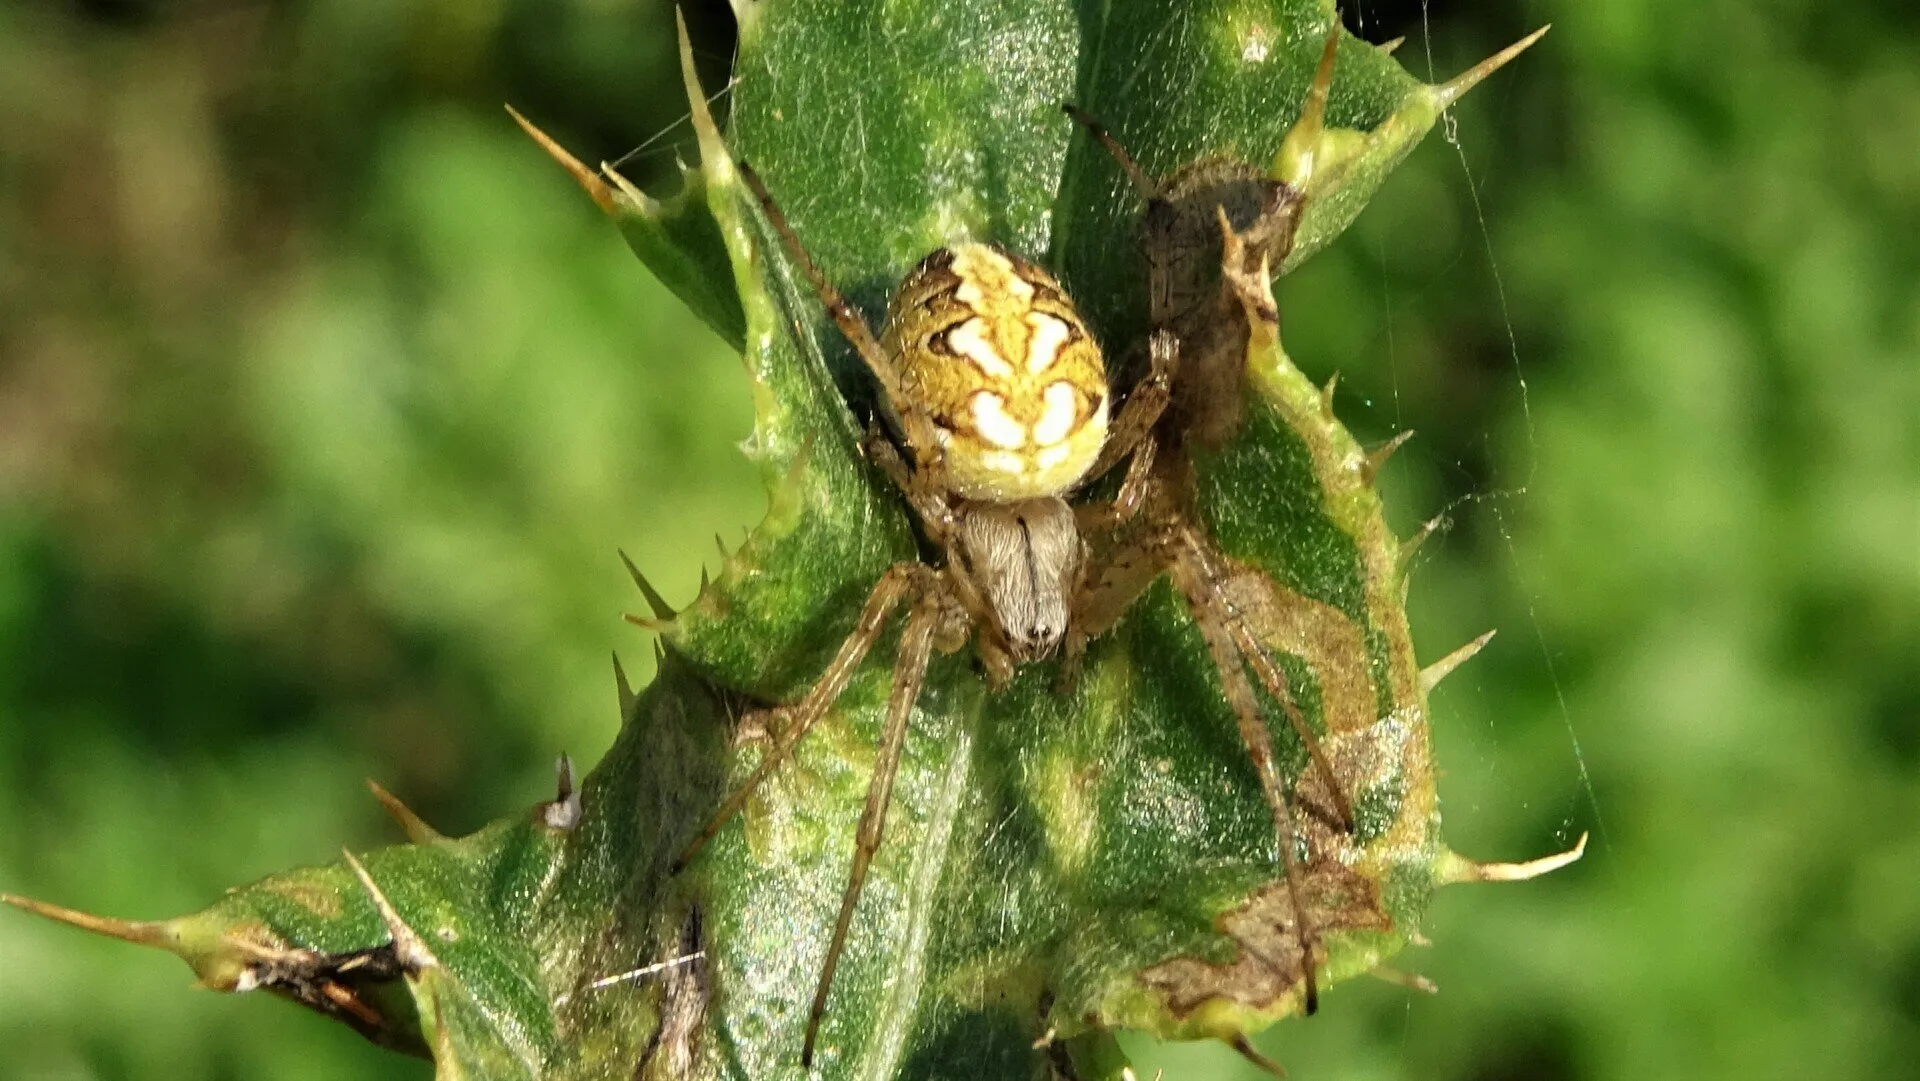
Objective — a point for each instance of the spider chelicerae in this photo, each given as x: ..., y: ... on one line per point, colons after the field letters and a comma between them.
x: 1000, y: 400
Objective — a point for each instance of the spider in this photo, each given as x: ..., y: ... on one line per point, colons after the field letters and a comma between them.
x: 1250, y: 219
x: 1000, y: 395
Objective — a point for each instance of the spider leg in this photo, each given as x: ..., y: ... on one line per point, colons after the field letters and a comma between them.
x: 941, y: 521
x: 1132, y: 433
x: 928, y: 499
x: 1200, y: 581
x: 1111, y: 588
x: 1126, y: 502
x: 989, y: 637
x: 916, y: 647
x: 919, y: 427
x: 851, y: 322
x: 900, y: 581
x: 1104, y: 594
x: 1133, y: 426
x: 1274, y: 679
x: 1148, y: 188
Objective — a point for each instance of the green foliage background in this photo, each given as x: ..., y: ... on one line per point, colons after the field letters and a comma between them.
x: 324, y: 400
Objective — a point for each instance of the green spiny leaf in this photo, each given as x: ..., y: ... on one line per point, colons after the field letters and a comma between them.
x: 677, y: 236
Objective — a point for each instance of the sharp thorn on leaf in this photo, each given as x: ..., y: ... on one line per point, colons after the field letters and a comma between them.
x: 657, y: 626
x: 564, y: 812
x: 661, y: 609
x: 634, y: 974
x: 1377, y: 458
x: 585, y: 177
x: 624, y: 688
x: 1432, y: 674
x: 1455, y: 868
x: 1326, y: 395
x: 411, y: 824
x: 1411, y: 546
x: 1451, y: 91
x: 713, y: 151
x: 1293, y: 165
x: 1240, y: 1043
x: 1388, y: 48
x: 1412, y: 981
x: 138, y: 932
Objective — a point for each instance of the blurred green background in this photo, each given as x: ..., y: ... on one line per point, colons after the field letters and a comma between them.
x: 325, y: 401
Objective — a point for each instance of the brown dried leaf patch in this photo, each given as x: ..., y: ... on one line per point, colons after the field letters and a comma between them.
x: 1269, y: 966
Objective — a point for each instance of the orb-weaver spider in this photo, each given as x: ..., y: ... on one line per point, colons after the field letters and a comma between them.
x: 999, y: 394
x: 1001, y: 398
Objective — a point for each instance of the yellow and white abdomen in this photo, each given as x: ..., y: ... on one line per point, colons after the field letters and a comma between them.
x: 989, y: 345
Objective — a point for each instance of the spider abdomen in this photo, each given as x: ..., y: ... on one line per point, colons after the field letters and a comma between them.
x: 989, y: 345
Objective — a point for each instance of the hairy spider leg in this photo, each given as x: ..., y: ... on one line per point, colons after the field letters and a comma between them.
x: 1174, y: 547
x: 1198, y: 576
x: 1131, y: 431
x: 909, y: 669
x: 919, y: 429
x: 1148, y: 187
x: 901, y: 581
x: 1273, y: 678
x: 931, y: 505
x: 1111, y: 514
